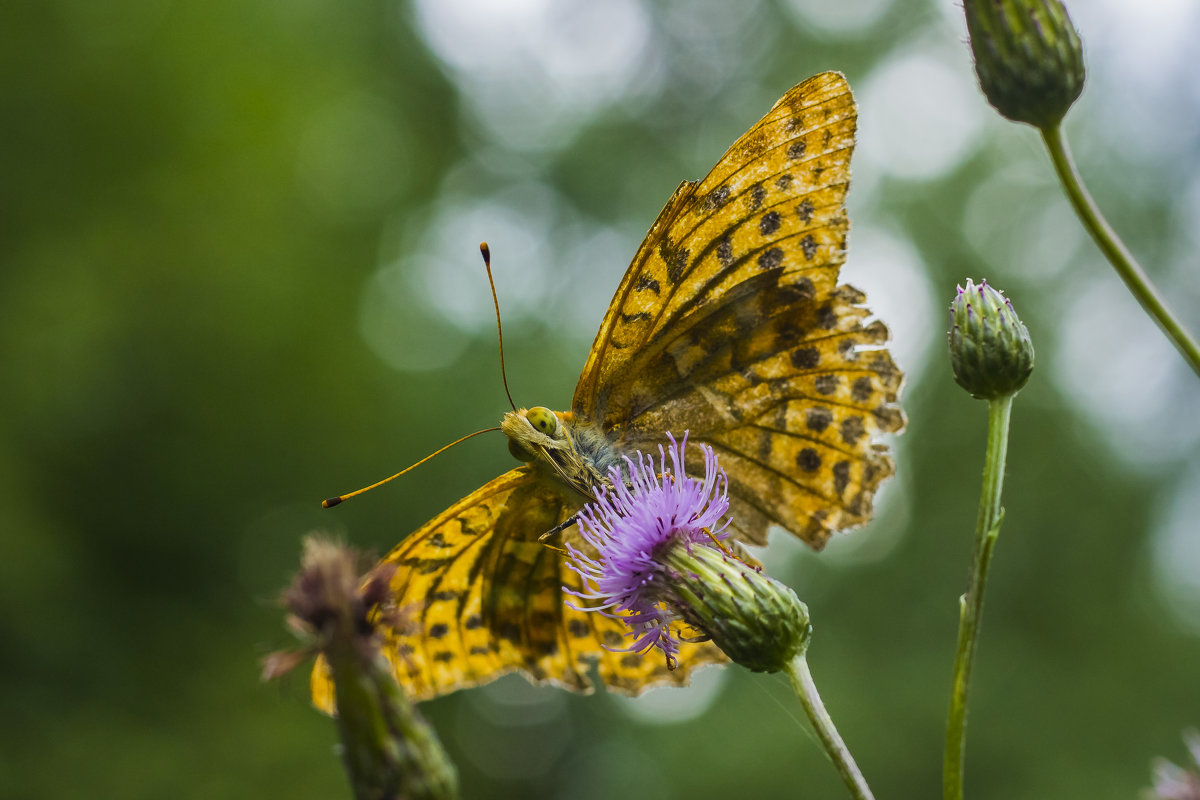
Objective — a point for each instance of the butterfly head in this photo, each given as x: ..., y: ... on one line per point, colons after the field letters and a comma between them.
x: 534, y: 433
x: 544, y: 438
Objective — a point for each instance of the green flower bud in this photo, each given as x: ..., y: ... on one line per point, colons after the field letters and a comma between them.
x: 990, y: 348
x: 757, y: 621
x: 1028, y: 58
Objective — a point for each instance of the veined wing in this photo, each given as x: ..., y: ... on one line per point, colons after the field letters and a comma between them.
x: 486, y: 598
x: 730, y: 323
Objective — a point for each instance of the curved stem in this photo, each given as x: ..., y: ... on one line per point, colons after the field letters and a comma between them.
x: 987, y: 528
x: 1114, y: 249
x: 802, y: 682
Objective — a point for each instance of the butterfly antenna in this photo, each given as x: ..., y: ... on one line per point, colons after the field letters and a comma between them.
x: 487, y: 264
x: 333, y: 501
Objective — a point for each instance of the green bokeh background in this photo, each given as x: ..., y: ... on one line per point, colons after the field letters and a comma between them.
x: 186, y: 257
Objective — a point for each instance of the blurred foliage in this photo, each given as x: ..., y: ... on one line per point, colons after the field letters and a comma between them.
x: 188, y: 239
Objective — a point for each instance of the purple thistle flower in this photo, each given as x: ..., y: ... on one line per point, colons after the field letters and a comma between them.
x: 658, y: 563
x: 630, y: 527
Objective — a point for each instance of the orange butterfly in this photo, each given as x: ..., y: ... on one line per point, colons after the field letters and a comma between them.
x: 729, y: 324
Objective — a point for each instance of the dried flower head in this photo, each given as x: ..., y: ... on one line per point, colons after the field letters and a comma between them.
x: 388, y: 749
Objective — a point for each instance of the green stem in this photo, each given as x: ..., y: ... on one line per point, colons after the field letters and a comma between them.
x: 987, y: 528
x: 387, y: 747
x: 1114, y: 249
x: 802, y: 682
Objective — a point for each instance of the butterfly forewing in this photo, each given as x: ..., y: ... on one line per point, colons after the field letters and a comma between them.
x: 730, y: 324
x: 780, y: 187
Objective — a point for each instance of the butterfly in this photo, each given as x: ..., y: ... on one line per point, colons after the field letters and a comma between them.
x: 729, y: 324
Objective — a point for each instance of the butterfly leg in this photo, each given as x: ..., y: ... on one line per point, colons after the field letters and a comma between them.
x: 559, y: 528
x: 720, y: 544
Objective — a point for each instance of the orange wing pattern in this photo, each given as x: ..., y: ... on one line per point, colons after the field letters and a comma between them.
x: 730, y: 323
x: 487, y: 599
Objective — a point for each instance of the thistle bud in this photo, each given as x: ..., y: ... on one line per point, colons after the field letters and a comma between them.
x: 757, y: 621
x: 990, y: 348
x: 1028, y: 58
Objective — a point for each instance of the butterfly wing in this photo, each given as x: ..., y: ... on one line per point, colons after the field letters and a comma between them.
x: 486, y: 598
x: 730, y: 323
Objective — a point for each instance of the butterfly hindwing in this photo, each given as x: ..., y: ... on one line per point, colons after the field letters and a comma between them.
x: 730, y: 324
x: 479, y: 596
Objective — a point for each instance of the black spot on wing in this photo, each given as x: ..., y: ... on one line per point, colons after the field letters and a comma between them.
x: 675, y: 257
x: 841, y: 476
x: 808, y: 460
x: 809, y: 245
x: 805, y: 357
x: 826, y: 384
x: 818, y: 418
x: 771, y: 259
x: 853, y: 430
x: 769, y: 223
x: 645, y: 282
x: 725, y: 251
x: 426, y: 566
x: 803, y: 289
x: 716, y: 198
x: 757, y: 195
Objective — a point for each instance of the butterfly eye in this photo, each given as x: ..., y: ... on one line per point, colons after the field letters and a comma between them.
x: 543, y: 419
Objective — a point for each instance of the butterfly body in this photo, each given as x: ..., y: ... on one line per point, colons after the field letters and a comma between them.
x: 729, y: 324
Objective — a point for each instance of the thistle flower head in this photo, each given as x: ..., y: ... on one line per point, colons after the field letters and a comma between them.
x: 658, y: 564
x: 990, y: 348
x: 1028, y: 58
